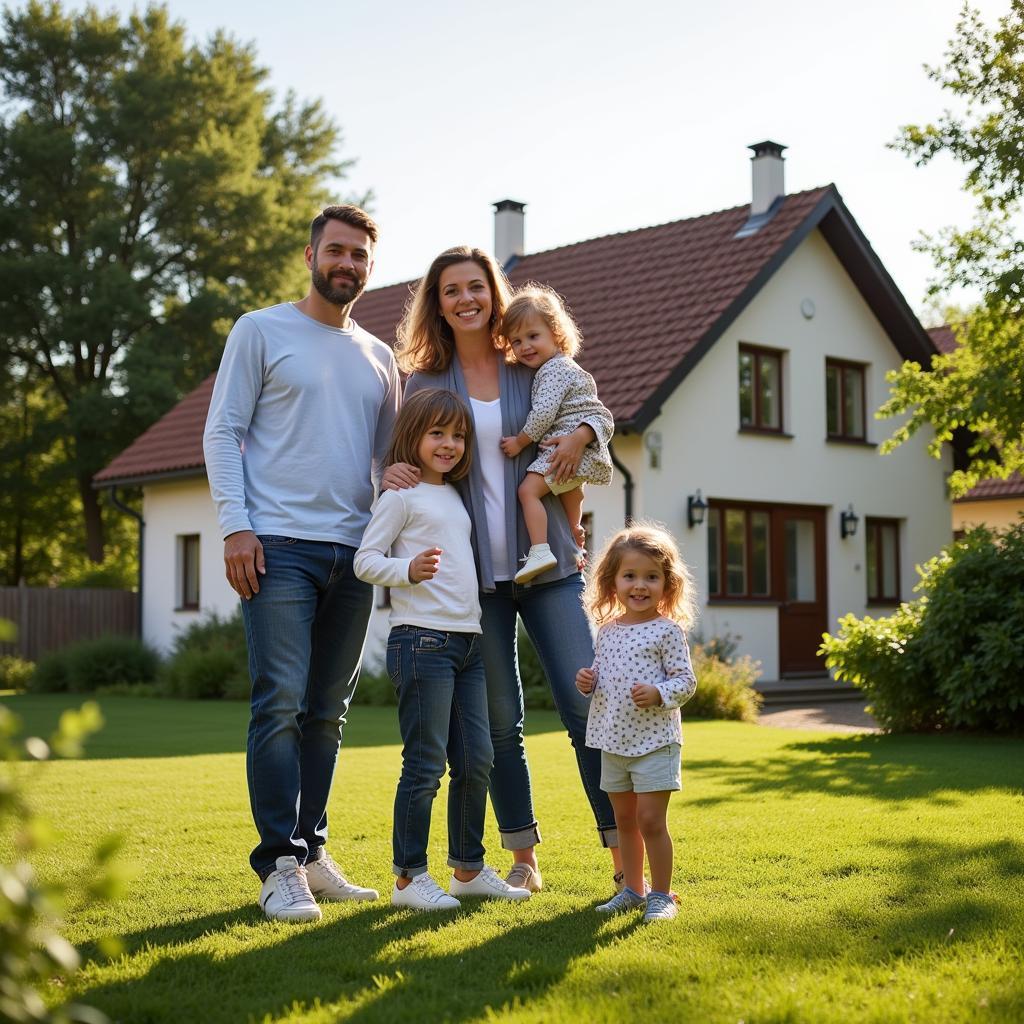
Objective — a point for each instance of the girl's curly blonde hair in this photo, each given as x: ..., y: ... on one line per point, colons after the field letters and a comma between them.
x: 678, y: 601
x: 541, y: 302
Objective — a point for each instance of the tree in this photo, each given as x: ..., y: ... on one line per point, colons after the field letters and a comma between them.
x: 978, y: 388
x: 150, y: 190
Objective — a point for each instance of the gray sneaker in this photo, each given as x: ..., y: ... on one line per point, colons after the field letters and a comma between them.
x: 523, y: 876
x: 621, y: 902
x: 326, y: 881
x: 661, y: 906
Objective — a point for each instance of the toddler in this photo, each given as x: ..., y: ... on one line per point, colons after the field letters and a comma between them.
x: 538, y: 331
x: 640, y: 595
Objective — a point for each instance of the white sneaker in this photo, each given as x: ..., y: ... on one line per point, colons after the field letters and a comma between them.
x: 285, y: 895
x: 538, y: 560
x: 326, y: 880
x: 423, y: 893
x: 490, y: 884
x: 523, y: 876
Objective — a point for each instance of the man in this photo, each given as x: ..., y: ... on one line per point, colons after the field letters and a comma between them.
x: 299, y: 424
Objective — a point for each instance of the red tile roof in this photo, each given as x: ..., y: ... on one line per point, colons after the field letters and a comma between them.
x: 943, y: 338
x: 989, y: 490
x: 646, y: 300
x: 172, y: 446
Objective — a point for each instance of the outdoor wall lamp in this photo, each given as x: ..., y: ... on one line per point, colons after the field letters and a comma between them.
x: 848, y: 522
x: 696, y: 506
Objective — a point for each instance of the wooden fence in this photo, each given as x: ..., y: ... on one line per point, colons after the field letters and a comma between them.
x: 48, y: 619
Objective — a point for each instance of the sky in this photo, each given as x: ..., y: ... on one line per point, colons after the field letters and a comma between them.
x: 608, y: 116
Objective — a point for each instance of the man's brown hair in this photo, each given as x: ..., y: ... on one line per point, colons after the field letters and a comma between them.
x: 347, y: 214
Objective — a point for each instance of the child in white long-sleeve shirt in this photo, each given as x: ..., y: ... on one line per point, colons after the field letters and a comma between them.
x: 640, y: 594
x: 433, y: 653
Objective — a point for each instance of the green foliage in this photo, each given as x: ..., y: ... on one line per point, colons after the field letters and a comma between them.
x: 152, y: 189
x: 375, y: 689
x: 32, y: 952
x: 954, y: 658
x: 978, y: 387
x: 722, y: 647
x: 115, y: 572
x: 15, y: 672
x: 725, y: 689
x: 536, y: 692
x: 84, y: 667
x: 209, y: 660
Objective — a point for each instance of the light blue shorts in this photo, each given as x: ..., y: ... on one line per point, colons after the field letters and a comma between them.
x: 656, y: 772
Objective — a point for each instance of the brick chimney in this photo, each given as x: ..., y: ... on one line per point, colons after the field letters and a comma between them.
x: 509, y: 230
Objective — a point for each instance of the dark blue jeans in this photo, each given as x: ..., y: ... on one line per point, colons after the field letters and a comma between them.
x: 305, y: 630
x: 442, y: 714
x: 556, y: 623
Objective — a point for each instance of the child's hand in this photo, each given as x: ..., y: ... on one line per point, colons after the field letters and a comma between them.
x: 511, y: 446
x: 645, y: 696
x: 585, y: 680
x: 424, y: 566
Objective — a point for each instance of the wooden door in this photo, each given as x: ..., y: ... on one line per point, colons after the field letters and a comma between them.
x: 801, y: 583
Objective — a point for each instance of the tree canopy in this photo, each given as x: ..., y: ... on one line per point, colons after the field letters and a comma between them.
x: 151, y: 189
x: 979, y: 388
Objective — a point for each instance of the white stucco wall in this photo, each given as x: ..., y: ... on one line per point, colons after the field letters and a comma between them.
x: 703, y: 448
x: 997, y: 513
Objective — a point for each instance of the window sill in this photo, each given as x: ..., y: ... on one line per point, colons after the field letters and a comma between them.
x: 765, y: 432
x: 757, y: 602
x: 857, y: 442
x: 884, y: 602
x: 187, y: 608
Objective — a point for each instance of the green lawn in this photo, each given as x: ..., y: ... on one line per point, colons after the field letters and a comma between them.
x: 823, y: 878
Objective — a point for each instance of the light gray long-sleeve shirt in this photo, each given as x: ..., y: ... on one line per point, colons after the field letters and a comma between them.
x: 298, y: 427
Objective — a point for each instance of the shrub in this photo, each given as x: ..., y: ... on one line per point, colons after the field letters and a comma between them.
x: 86, y: 666
x: 724, y: 689
x: 375, y: 689
x: 209, y: 660
x: 722, y: 647
x: 15, y: 673
x: 536, y: 692
x: 953, y: 658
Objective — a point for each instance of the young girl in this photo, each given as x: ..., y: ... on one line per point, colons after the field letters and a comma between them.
x: 641, y: 596
x: 539, y: 332
x: 433, y: 653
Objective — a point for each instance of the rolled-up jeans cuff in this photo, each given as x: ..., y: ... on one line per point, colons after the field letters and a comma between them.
x: 609, y: 836
x: 409, y: 872
x: 520, y: 838
x: 465, y: 865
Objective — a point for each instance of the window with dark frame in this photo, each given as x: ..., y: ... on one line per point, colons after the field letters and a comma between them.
x: 760, y: 389
x: 739, y: 552
x: 188, y: 572
x: 882, y: 540
x: 844, y: 400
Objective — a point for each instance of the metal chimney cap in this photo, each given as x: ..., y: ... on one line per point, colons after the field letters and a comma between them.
x: 767, y: 148
x: 502, y: 205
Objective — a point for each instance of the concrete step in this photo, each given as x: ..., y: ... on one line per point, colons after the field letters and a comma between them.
x: 811, y: 690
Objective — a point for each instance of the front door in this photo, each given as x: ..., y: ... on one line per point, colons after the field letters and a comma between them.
x: 800, y: 582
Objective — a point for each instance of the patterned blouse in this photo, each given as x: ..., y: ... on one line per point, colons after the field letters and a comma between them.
x: 563, y: 396
x: 653, y: 652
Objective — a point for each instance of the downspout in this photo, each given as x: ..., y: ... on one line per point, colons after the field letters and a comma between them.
x: 627, y: 484
x: 116, y: 501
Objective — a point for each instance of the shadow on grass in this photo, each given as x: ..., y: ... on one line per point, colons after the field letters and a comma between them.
x: 158, y: 727
x: 882, y: 766
x: 373, y: 961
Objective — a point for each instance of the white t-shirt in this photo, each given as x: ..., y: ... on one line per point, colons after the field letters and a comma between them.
x: 405, y: 523
x: 487, y: 423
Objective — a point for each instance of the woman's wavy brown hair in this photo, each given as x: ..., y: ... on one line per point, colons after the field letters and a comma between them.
x: 678, y: 602
x: 425, y: 339
x: 431, y: 407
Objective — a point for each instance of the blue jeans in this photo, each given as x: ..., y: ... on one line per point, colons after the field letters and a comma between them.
x: 556, y: 623
x: 442, y: 715
x: 305, y: 631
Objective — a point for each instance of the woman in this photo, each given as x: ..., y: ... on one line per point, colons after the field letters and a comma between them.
x: 447, y: 340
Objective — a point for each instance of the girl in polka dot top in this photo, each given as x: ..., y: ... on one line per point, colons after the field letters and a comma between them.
x: 641, y: 597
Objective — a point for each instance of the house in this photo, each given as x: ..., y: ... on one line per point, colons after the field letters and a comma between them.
x: 742, y: 353
x: 994, y: 503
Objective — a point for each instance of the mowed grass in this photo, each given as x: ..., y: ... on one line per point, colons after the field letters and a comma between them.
x: 823, y: 878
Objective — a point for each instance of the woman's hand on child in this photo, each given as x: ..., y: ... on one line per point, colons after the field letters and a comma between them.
x: 645, y: 696
x: 424, y: 566
x: 399, y: 476
x: 568, y: 452
x: 511, y: 446
x: 585, y: 680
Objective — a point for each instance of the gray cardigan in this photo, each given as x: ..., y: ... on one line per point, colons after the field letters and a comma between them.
x: 514, y: 382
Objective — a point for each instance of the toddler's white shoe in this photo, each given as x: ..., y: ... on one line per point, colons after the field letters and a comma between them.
x: 326, y: 880
x: 285, y: 895
x: 524, y: 876
x: 661, y: 906
x: 490, y: 884
x: 423, y: 893
x: 538, y: 560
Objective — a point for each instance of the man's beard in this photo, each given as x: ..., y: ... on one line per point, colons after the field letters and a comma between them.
x: 341, y: 292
